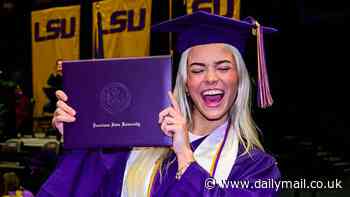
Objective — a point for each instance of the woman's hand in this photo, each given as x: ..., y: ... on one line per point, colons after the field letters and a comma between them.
x: 174, y: 125
x: 63, y: 112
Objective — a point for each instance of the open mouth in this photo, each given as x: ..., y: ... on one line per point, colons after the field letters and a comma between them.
x: 212, y: 98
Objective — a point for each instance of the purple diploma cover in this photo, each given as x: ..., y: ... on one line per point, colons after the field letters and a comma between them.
x: 117, y: 101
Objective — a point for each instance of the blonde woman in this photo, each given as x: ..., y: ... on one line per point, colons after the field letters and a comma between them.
x: 216, y: 149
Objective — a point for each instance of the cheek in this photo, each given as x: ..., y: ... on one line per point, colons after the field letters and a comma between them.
x: 193, y: 84
x: 232, y: 84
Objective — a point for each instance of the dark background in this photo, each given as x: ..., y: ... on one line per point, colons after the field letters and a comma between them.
x: 306, y: 129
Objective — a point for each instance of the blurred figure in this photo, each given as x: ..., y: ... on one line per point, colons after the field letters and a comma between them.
x: 12, y: 186
x: 54, y: 83
x: 41, y: 165
x: 55, y: 79
x: 23, y: 112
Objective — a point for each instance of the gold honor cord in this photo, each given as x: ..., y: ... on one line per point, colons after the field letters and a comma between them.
x: 212, y: 168
x: 153, y: 175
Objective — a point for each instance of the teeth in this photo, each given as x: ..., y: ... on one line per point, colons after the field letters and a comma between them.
x: 212, y: 92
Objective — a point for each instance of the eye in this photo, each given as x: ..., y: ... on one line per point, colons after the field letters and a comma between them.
x: 196, y: 71
x: 224, y: 67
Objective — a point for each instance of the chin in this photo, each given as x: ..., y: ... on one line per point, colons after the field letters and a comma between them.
x: 214, y: 115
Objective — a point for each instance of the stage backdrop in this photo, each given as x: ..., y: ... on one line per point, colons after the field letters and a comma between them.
x: 228, y: 8
x: 55, y: 35
x: 125, y: 26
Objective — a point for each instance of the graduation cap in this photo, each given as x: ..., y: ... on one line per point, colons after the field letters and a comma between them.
x: 205, y: 28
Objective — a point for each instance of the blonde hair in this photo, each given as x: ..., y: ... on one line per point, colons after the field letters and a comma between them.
x: 240, y: 115
x: 146, y: 161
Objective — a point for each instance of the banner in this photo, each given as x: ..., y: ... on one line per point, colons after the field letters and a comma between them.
x: 228, y: 8
x: 124, y: 28
x: 55, y: 35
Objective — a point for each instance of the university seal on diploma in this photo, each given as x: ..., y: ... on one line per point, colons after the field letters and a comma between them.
x: 115, y: 98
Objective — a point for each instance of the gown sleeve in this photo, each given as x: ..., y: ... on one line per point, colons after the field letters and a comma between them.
x: 86, y: 173
x: 245, y: 180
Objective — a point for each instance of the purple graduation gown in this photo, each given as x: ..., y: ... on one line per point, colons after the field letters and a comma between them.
x: 100, y: 173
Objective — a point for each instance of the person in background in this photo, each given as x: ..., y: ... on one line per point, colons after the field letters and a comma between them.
x: 23, y: 112
x: 12, y: 186
x: 214, y: 136
x: 54, y: 83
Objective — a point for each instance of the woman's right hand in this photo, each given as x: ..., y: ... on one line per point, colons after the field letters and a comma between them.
x: 63, y: 112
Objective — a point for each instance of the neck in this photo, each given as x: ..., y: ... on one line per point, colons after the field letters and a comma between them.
x: 202, y: 126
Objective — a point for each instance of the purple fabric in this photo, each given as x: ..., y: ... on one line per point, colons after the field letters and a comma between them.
x: 93, y: 173
x: 87, y: 173
x: 161, y: 185
x: 259, y: 166
x: 117, y: 101
x: 204, y: 28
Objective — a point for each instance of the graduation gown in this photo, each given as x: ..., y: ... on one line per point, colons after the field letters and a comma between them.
x: 100, y: 173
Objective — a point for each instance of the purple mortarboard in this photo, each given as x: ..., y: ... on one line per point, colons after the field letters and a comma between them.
x: 205, y: 28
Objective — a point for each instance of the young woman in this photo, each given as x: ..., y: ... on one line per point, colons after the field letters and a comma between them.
x: 216, y: 149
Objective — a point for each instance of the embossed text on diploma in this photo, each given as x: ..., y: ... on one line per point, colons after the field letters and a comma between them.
x: 116, y: 124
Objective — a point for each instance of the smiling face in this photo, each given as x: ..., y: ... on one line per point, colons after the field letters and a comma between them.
x: 212, y: 80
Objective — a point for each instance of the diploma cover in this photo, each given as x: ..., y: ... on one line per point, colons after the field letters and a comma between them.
x: 117, y: 101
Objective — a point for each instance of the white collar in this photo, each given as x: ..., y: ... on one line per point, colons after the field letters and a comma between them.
x: 206, y: 152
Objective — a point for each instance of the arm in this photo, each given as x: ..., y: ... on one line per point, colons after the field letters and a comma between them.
x: 192, y: 177
x: 241, y: 181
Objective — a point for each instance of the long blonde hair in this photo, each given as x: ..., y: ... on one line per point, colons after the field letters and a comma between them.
x: 240, y: 115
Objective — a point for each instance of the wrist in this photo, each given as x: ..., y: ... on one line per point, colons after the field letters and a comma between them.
x: 184, y: 161
x: 184, y: 157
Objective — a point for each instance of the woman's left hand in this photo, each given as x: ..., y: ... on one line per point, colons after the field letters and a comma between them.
x: 174, y: 125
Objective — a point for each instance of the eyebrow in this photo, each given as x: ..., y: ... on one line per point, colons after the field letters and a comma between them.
x: 197, y: 64
x: 215, y: 63
x: 222, y: 61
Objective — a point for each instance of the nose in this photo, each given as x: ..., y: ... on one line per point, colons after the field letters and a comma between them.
x: 211, y: 76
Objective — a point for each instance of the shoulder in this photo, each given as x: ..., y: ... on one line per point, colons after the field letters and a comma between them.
x: 256, y: 164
